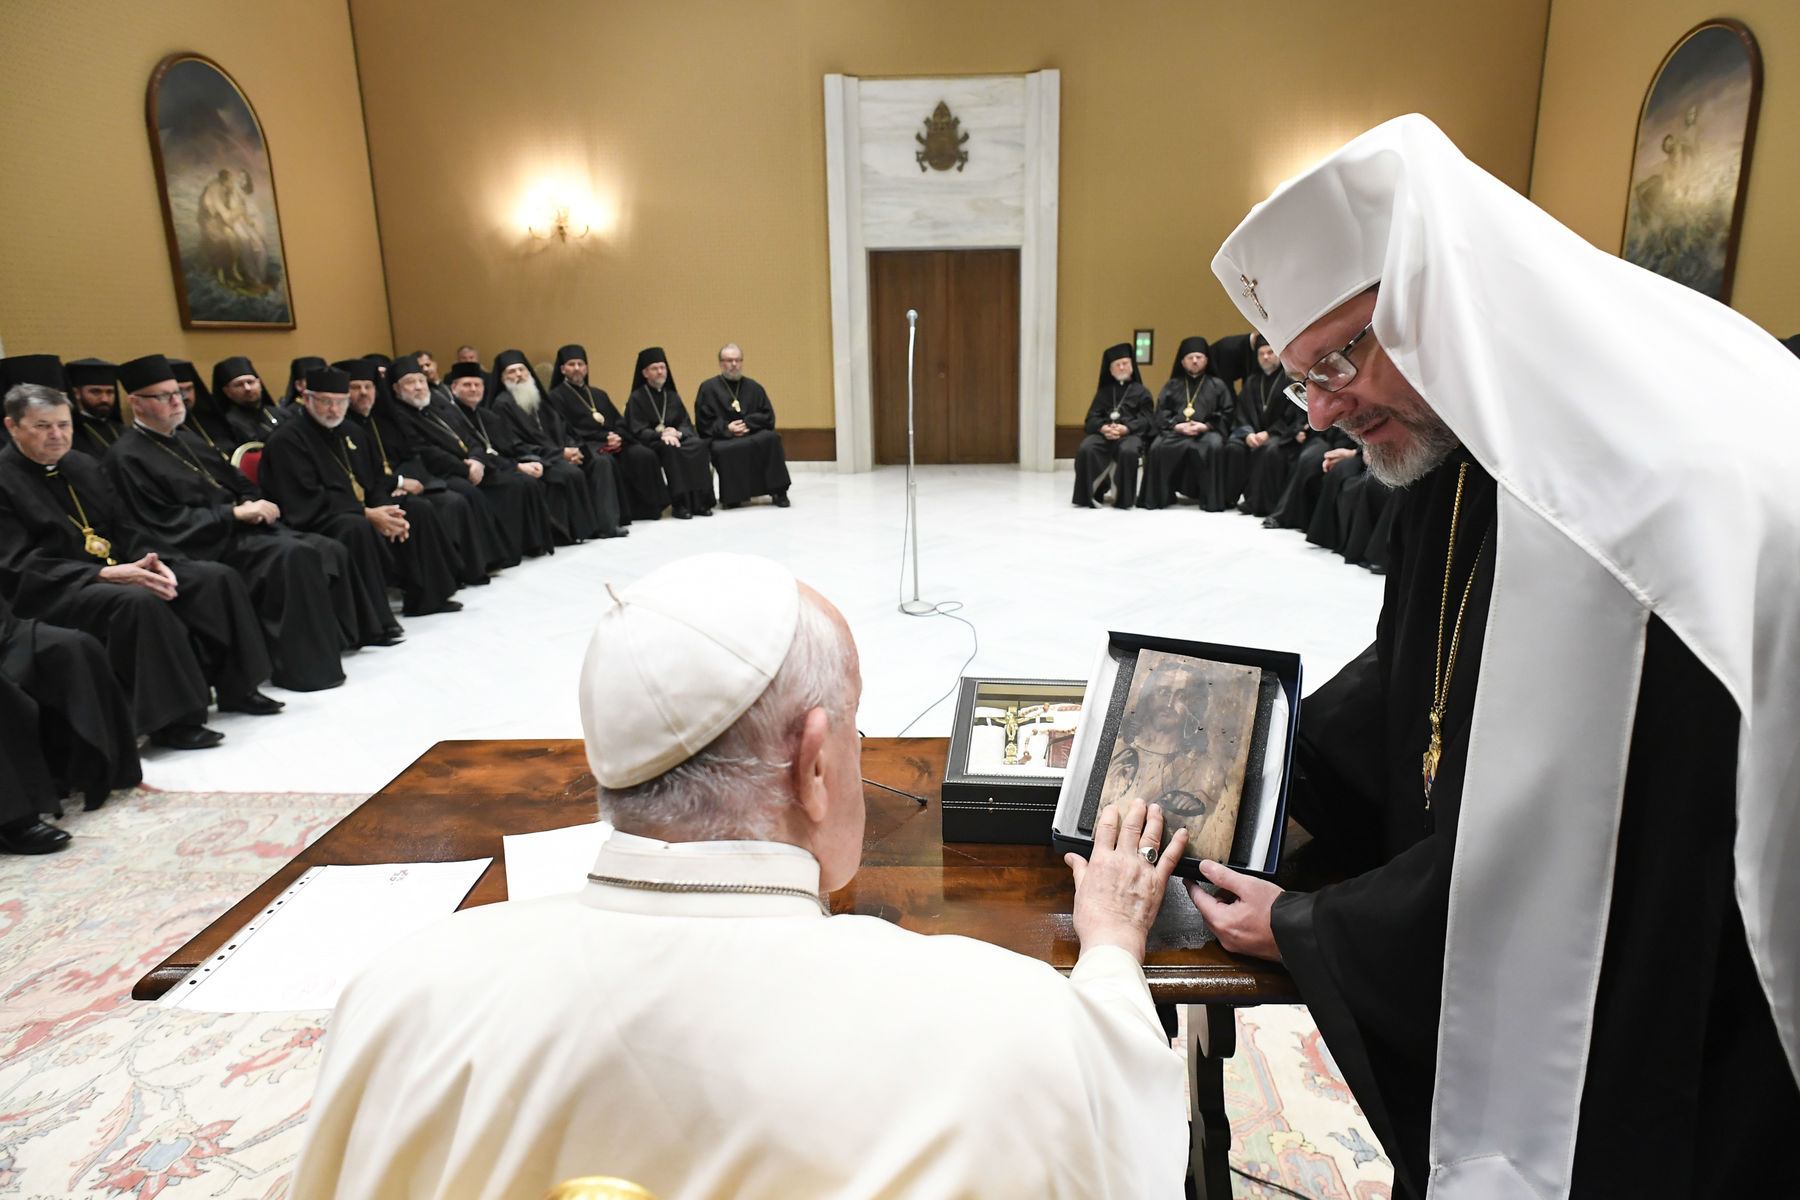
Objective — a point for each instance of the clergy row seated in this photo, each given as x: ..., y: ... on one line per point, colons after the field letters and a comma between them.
x: 697, y: 1022
x: 1248, y: 448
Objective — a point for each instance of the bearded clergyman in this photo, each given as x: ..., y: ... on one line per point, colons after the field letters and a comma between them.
x: 733, y: 412
x: 590, y: 415
x: 656, y: 418
x: 534, y: 429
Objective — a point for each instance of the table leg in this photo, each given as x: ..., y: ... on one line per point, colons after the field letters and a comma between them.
x: 1211, y: 1039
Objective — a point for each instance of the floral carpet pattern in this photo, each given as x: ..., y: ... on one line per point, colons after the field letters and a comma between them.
x: 102, y: 1096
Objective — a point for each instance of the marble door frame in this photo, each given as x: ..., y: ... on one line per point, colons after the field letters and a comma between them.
x: 1035, y: 237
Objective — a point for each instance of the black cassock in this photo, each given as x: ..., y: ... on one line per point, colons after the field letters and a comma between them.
x: 1126, y: 404
x: 446, y: 437
x: 164, y: 652
x: 752, y: 465
x: 1270, y: 465
x: 688, y: 467
x: 65, y: 724
x: 247, y: 424
x: 303, y: 585
x: 589, y: 414
x: 314, y: 474
x: 1294, y: 510
x: 475, y: 541
x: 1354, y: 514
x: 585, y: 496
x: 1684, y: 1058
x: 1189, y: 464
x: 94, y: 436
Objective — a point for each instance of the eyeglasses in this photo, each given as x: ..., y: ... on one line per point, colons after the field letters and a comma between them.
x: 1330, y: 374
x: 175, y: 395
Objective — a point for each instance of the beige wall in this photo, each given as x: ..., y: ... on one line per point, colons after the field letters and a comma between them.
x: 85, y: 266
x: 699, y: 125
x: 1600, y: 58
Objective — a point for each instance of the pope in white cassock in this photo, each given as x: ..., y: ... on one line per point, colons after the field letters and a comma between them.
x: 697, y: 1022
x: 1562, y: 782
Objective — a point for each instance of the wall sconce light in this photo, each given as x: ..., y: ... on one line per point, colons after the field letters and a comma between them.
x: 552, y: 216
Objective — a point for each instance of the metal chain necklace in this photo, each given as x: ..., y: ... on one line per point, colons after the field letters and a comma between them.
x: 734, y: 397
x: 587, y: 397
x: 1188, y: 412
x: 751, y: 889
x: 185, y: 458
x: 341, y: 456
x: 91, y: 541
x: 1440, y: 689
x: 460, y: 444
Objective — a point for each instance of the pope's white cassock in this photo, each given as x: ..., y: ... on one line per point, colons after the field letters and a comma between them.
x: 738, y: 1045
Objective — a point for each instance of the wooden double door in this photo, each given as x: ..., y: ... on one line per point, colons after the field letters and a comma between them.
x: 966, y: 359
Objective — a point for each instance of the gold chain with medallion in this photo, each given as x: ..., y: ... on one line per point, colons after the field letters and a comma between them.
x: 1442, y: 670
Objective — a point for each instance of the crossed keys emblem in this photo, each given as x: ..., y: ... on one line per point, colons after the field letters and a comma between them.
x: 1250, y: 292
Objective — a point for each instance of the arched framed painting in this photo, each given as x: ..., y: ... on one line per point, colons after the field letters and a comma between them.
x: 1695, y: 132
x: 218, y: 198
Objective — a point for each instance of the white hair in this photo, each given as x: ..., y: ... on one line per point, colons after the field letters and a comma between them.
x: 737, y: 787
x: 731, y: 346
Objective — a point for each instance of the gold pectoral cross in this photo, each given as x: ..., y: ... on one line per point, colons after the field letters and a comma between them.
x: 1433, y: 750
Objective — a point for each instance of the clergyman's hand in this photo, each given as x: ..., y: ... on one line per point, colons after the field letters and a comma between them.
x: 671, y: 437
x: 476, y: 470
x: 1117, y: 893
x: 614, y: 441
x: 533, y: 469
x: 1334, y: 457
x: 389, y: 521
x: 1241, y: 925
x: 1256, y: 439
x: 738, y: 428
x: 571, y: 454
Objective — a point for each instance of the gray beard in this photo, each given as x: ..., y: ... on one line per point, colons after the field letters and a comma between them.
x: 1431, y: 443
x: 525, y: 394
x: 421, y: 402
x: 734, y: 376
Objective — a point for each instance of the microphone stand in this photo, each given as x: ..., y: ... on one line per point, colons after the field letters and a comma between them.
x: 914, y: 607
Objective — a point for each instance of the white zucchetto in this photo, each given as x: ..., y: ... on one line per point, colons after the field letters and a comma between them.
x: 671, y: 666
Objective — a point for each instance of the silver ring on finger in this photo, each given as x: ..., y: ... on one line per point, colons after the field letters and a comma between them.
x: 1148, y: 853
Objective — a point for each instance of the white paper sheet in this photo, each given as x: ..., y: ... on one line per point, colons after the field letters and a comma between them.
x: 552, y: 863
x: 317, y: 935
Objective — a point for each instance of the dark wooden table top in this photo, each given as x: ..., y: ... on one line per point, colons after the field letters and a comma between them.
x: 460, y: 798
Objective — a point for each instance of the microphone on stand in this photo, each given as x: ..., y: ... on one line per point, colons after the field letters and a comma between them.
x: 915, y: 606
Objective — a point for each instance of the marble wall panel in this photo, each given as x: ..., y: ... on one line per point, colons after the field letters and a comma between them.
x: 983, y: 204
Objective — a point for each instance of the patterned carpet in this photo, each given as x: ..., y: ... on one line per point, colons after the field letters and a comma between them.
x: 102, y: 1096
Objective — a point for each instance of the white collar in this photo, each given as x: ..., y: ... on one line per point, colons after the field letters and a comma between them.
x: 724, y: 865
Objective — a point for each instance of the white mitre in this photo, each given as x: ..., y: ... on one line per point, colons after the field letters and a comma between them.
x: 680, y: 655
x: 1571, y: 376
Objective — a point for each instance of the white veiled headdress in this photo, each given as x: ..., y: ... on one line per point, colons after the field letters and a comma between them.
x: 1566, y: 372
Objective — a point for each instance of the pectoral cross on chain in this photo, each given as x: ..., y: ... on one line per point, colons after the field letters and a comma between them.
x: 1250, y: 291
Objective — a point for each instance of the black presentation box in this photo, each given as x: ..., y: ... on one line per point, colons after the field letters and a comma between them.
x: 1255, y: 836
x: 1009, y: 748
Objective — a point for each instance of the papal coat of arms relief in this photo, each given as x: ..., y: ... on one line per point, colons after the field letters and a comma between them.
x: 941, y: 145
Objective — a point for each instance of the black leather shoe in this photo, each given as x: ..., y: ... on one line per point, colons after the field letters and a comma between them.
x: 781, y: 500
x: 254, y: 703
x: 186, y: 737
x: 32, y: 836
x: 390, y: 637
x: 1271, y: 523
x: 681, y: 512
x: 1100, y: 493
x: 733, y: 504
x: 703, y: 512
x: 446, y: 606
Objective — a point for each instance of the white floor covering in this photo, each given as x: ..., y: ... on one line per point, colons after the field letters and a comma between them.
x: 1040, y: 579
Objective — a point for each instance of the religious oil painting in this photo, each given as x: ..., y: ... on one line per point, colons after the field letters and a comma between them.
x: 1184, y: 743
x: 1695, y: 134
x: 218, y: 199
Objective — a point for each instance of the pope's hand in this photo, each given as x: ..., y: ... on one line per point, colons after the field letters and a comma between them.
x: 1241, y: 925
x: 1117, y: 893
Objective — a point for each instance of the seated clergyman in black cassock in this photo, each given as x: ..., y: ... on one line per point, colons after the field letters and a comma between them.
x: 204, y: 420
x: 65, y: 729
x: 314, y: 469
x: 400, y: 473
x: 243, y: 402
x: 590, y: 416
x: 174, y: 628
x: 583, y: 494
x: 44, y: 369
x: 656, y: 417
x: 192, y: 500
x: 428, y: 365
x: 1273, y: 445
x: 1118, y: 421
x: 1194, y: 414
x: 1323, y: 452
x: 93, y: 387
x: 296, y: 383
x: 733, y: 412
x: 452, y: 442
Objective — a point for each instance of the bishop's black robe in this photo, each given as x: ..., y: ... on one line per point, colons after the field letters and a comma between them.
x: 474, y: 540
x: 589, y: 414
x: 754, y: 464
x: 687, y: 468
x: 249, y: 424
x: 447, y: 439
x: 94, y: 436
x: 164, y: 652
x: 1270, y: 465
x: 1126, y: 404
x: 65, y: 724
x: 1687, y: 1087
x: 303, y: 585
x: 586, y: 491
x: 1295, y: 508
x: 1189, y: 464
x: 314, y: 474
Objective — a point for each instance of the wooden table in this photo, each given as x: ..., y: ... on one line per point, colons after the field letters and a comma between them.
x: 460, y: 798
